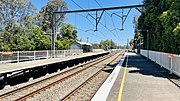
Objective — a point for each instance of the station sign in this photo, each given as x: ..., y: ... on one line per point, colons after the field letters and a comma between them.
x: 7, y: 53
x: 170, y: 55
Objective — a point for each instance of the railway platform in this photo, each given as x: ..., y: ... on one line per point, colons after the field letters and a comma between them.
x: 11, y: 67
x: 139, y: 79
x: 40, y: 68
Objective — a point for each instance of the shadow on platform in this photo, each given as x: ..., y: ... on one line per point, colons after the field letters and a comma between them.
x: 147, y: 67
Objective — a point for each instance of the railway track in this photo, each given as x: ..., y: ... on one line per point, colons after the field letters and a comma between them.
x: 27, y: 91
x: 89, y: 87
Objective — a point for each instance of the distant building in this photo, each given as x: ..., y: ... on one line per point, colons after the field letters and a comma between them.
x: 86, y: 47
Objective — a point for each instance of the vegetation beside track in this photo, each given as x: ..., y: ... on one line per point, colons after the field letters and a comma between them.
x: 161, y: 20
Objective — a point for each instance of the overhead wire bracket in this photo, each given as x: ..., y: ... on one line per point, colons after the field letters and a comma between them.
x: 53, y: 22
x: 123, y: 17
x: 139, y: 10
x: 98, y: 18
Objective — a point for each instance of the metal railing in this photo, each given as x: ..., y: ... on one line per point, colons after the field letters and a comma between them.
x: 98, y: 50
x: 20, y: 56
x: 170, y: 63
x: 135, y: 50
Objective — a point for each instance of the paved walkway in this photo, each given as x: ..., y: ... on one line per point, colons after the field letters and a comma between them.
x: 143, y: 80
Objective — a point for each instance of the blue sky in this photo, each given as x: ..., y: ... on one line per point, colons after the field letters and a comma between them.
x: 106, y: 23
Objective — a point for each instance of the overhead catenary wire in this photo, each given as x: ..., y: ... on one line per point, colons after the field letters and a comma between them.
x: 115, y: 12
x: 111, y: 19
x: 86, y: 17
x: 91, y: 23
x: 77, y: 4
x: 89, y: 33
x: 82, y: 15
x: 109, y: 31
x: 84, y: 30
x: 75, y: 19
x: 98, y: 9
x: 107, y: 13
x: 81, y: 29
x: 100, y: 22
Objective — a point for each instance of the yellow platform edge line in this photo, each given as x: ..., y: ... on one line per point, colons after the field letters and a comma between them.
x: 122, y: 82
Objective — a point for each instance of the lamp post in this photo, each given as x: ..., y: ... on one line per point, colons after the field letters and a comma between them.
x: 147, y: 44
x: 147, y: 41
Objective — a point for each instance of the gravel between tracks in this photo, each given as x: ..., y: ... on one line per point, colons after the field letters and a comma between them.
x: 86, y: 92
x: 58, y: 91
x: 42, y: 84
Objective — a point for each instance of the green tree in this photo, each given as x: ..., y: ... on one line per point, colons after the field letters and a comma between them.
x: 68, y: 34
x: 59, y: 45
x: 4, y: 46
x: 160, y: 18
x: 20, y: 42
x: 40, y: 40
x: 18, y: 30
x: 69, y: 31
x: 176, y: 34
x: 44, y: 17
x: 15, y: 12
x: 107, y: 44
x: 170, y: 20
x: 137, y: 41
x: 66, y: 43
x: 95, y: 46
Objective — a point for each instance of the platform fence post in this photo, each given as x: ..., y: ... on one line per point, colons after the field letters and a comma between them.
x: 171, y: 67
x: 64, y: 53
x: 55, y: 51
x: 34, y: 55
x: 17, y: 56
x: 47, y: 54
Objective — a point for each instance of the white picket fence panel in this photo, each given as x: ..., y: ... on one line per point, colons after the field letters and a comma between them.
x: 19, y: 56
x: 162, y: 59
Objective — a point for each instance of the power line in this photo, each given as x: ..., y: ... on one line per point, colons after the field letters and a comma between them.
x: 110, y: 31
x: 101, y: 23
x: 89, y: 33
x: 75, y: 19
x: 108, y: 14
x: 77, y: 4
x: 98, y: 3
x: 84, y: 16
x: 98, y: 9
x: 92, y: 10
x: 91, y: 23
x: 110, y: 17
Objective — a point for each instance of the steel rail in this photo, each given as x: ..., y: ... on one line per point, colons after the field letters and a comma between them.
x: 43, y: 80
x: 60, y: 80
x: 86, y: 81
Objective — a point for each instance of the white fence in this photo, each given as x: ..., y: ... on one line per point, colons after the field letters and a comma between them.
x: 135, y: 50
x: 18, y: 56
x: 98, y: 50
x: 161, y: 58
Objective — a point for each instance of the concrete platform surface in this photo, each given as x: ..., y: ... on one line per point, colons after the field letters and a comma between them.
x: 144, y: 81
x: 31, y: 64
